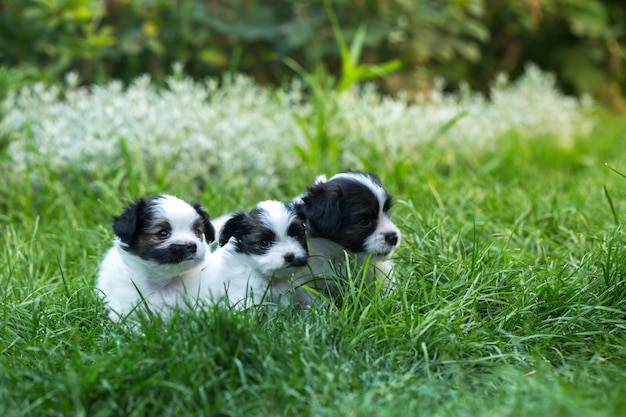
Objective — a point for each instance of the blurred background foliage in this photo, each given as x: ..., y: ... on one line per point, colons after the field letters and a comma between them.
x: 581, y: 41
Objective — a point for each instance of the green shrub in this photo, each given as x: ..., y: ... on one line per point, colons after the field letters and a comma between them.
x: 581, y: 41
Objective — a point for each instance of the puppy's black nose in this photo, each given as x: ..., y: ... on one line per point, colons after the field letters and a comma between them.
x: 191, y: 247
x: 391, y: 238
x: 289, y: 257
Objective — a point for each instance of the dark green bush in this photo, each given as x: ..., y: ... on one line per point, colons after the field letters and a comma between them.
x: 470, y: 40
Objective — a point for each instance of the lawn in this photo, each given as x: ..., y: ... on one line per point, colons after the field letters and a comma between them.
x: 512, y: 267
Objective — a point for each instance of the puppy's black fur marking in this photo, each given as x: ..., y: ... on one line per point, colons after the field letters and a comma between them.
x: 321, y: 208
x: 173, y: 254
x: 237, y: 226
x: 133, y: 219
x: 209, y: 231
x: 248, y: 232
x: 298, y: 231
x: 342, y: 210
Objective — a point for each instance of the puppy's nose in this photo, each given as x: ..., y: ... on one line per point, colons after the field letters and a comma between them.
x: 191, y: 247
x: 289, y: 257
x: 391, y: 238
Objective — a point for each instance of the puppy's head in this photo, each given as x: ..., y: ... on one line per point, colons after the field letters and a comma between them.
x: 351, y: 209
x: 271, y: 235
x: 164, y: 230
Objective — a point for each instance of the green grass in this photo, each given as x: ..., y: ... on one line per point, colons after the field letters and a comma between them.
x: 511, y: 301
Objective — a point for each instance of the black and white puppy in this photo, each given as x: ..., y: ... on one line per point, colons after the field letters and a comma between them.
x: 347, y: 213
x: 257, y: 255
x: 159, y: 250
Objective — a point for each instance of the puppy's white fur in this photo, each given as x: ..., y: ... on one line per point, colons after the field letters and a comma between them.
x: 163, y: 271
x: 258, y: 253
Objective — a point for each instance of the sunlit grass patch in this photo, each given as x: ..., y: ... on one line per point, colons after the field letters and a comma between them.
x: 511, y: 284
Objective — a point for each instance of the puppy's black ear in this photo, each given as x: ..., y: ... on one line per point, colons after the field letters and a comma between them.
x: 320, y: 207
x: 235, y: 227
x: 125, y: 225
x: 209, y: 230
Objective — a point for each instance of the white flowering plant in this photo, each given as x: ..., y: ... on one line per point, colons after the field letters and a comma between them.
x: 237, y: 128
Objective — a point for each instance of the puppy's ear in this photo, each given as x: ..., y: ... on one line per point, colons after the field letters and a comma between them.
x: 125, y: 225
x: 235, y: 227
x: 320, y: 208
x: 209, y: 230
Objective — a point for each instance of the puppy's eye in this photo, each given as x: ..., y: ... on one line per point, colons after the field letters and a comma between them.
x: 199, y: 232
x: 163, y: 234
x: 365, y: 222
x: 264, y: 244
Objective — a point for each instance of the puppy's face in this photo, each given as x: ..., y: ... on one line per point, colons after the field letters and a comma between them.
x: 271, y: 236
x: 164, y: 230
x: 351, y: 209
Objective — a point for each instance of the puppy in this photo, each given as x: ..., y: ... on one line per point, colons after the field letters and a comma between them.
x: 347, y: 213
x: 257, y: 255
x: 159, y: 250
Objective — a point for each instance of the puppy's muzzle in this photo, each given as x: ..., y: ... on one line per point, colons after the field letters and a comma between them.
x: 180, y: 252
x: 391, y: 238
x: 291, y: 260
x: 191, y: 247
